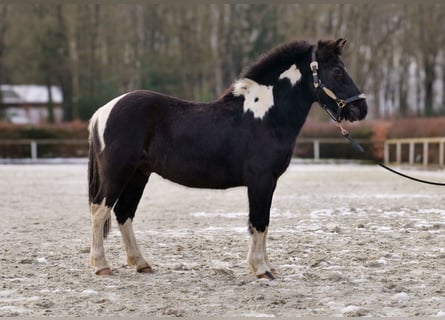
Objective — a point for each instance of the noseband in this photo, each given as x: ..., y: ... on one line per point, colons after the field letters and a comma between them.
x: 341, y: 103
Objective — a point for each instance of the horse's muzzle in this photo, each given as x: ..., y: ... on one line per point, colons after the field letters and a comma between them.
x: 355, y: 111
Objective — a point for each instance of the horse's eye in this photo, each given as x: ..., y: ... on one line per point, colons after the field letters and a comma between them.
x: 338, y: 72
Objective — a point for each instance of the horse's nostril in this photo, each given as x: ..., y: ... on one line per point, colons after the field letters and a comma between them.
x: 354, y: 112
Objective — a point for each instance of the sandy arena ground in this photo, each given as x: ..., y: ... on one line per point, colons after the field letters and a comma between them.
x: 347, y: 240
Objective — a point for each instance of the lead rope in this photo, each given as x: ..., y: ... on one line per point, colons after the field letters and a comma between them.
x: 345, y: 134
x: 359, y: 148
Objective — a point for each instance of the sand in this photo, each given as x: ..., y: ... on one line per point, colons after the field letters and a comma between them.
x: 346, y: 240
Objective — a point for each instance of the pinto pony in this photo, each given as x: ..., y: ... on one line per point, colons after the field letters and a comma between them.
x: 245, y: 138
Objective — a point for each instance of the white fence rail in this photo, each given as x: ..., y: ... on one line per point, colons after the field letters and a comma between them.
x: 318, y: 142
x: 79, y: 147
x: 427, y: 151
x: 35, y: 149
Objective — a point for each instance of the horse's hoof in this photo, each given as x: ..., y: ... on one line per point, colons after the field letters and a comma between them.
x: 266, y: 275
x: 146, y: 269
x: 104, y: 272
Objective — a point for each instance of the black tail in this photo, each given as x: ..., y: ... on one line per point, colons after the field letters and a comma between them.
x: 93, y: 174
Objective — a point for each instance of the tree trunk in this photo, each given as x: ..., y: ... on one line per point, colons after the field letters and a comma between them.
x: 403, y: 86
x: 3, y: 29
x: 430, y: 75
x: 50, y: 104
x: 63, y: 70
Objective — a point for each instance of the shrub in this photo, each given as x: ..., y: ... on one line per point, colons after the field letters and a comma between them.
x: 66, y: 131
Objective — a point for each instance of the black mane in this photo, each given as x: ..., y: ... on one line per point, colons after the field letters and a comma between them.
x: 269, y: 66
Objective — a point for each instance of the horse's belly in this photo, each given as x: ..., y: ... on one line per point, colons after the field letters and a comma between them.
x: 212, y: 174
x: 200, y: 177
x: 198, y: 159
x: 203, y: 183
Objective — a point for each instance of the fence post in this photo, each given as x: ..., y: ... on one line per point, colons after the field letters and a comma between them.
x: 441, y: 162
x: 34, y: 150
x: 411, y: 153
x: 399, y: 152
x: 386, y: 152
x: 316, y: 150
x: 425, y: 153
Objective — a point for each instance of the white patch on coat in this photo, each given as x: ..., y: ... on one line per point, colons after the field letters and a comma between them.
x: 257, y: 257
x: 258, y: 98
x: 293, y: 74
x: 100, y: 118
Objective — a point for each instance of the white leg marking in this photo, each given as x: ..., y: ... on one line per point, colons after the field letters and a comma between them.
x: 266, y: 258
x: 134, y: 256
x: 258, y: 98
x: 100, y: 118
x: 99, y: 214
x: 257, y: 257
x: 293, y: 74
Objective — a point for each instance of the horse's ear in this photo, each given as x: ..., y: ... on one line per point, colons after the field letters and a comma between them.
x: 322, y: 47
x: 326, y: 49
x: 339, y: 45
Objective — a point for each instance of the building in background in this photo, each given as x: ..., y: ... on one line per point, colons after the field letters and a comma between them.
x: 29, y: 104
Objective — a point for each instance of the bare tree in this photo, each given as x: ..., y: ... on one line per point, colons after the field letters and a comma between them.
x: 3, y: 30
x: 96, y: 51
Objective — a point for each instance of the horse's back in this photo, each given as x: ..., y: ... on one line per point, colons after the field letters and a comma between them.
x: 127, y: 117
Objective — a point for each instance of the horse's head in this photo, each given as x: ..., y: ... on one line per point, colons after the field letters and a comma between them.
x: 334, y: 88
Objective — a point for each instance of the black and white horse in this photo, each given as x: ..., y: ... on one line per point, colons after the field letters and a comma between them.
x: 245, y: 138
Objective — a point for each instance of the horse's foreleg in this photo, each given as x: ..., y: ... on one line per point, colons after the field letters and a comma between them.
x: 266, y: 258
x: 134, y: 256
x: 257, y: 257
x: 260, y: 198
x: 100, y: 213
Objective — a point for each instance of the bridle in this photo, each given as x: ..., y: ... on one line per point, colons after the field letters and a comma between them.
x: 341, y: 103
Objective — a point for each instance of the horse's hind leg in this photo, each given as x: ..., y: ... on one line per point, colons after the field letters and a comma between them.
x: 101, y: 208
x: 112, y: 175
x: 100, y: 214
x: 125, y: 211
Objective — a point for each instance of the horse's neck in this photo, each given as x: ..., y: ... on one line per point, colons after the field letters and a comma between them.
x: 291, y: 101
x: 293, y: 107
